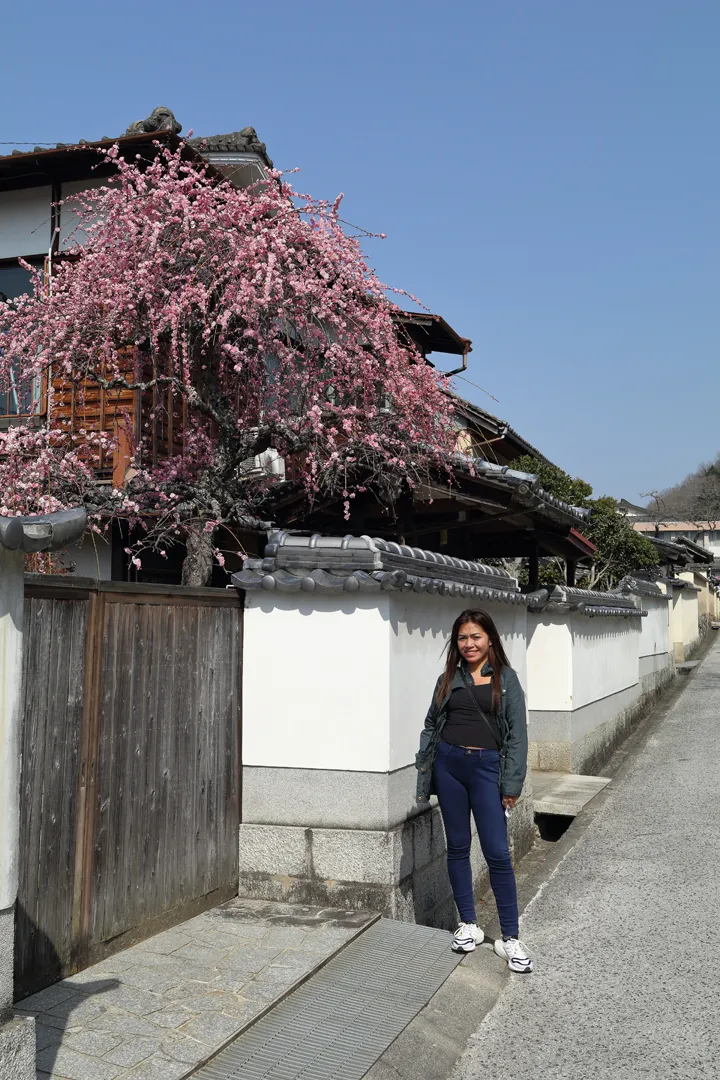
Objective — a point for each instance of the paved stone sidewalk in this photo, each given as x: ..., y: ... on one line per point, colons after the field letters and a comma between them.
x: 625, y: 931
x: 155, y: 1011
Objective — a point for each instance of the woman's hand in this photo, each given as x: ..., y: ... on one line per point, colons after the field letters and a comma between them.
x: 509, y: 801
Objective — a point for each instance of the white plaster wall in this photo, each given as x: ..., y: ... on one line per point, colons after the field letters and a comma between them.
x: 654, y: 628
x: 605, y: 657
x: 549, y: 662
x: 316, y: 678
x: 689, y: 616
x: 676, y: 618
x: 345, y: 683
x: 25, y: 222
x: 11, y: 630
x: 573, y: 660
x: 420, y: 628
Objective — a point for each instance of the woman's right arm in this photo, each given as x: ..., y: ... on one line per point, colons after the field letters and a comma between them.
x: 429, y: 728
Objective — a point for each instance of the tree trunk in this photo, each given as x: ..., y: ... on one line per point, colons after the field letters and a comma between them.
x: 197, y: 567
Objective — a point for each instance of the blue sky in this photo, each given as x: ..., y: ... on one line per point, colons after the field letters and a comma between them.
x: 547, y: 172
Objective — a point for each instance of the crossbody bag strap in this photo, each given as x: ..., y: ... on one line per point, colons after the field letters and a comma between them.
x: 488, y: 725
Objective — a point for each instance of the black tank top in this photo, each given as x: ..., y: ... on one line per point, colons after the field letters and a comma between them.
x: 464, y: 725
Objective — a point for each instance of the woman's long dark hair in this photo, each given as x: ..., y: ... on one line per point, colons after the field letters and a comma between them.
x: 496, y: 654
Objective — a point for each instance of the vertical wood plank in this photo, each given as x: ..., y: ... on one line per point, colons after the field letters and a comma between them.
x: 53, y: 672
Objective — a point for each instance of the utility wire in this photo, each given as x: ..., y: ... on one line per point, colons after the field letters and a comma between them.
x: 477, y: 386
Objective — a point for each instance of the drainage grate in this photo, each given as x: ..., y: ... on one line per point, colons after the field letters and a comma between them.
x: 337, y: 1024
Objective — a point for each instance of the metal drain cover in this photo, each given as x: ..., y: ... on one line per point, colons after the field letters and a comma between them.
x: 337, y: 1024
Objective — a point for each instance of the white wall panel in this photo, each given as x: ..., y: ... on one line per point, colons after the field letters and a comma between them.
x: 605, y: 657
x: 25, y: 222
x: 654, y: 631
x: 316, y: 682
x: 549, y: 663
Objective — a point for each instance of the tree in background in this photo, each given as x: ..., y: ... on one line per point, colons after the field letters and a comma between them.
x: 620, y: 550
x: 695, y: 500
x: 250, y: 317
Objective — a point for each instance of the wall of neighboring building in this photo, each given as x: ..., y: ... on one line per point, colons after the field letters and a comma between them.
x: 656, y: 664
x: 25, y: 222
x: 704, y: 533
x: 707, y: 600
x: 584, y: 685
x: 92, y: 558
x: 689, y: 616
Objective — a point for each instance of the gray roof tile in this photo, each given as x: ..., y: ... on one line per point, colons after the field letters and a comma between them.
x: 350, y: 564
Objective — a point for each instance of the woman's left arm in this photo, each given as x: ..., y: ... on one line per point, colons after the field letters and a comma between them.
x: 516, y: 749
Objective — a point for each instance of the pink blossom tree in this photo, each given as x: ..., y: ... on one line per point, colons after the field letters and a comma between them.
x: 246, y: 320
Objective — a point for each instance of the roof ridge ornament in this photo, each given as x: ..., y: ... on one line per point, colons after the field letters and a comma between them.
x: 160, y: 119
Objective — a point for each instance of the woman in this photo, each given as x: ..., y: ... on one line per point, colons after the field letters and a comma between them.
x: 473, y: 755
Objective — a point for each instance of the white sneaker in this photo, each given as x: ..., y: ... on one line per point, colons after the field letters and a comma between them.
x: 515, y: 953
x: 467, y: 936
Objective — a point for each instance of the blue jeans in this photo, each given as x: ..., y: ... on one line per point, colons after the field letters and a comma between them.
x: 465, y: 781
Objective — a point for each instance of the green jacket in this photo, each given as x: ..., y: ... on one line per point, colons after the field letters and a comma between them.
x: 512, y: 722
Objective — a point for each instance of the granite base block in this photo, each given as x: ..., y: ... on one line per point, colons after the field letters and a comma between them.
x: 7, y: 941
x: 328, y: 798
x: 17, y: 1049
x: 593, y: 732
x: 400, y: 872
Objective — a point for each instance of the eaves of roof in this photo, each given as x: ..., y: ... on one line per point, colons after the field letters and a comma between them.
x: 525, y: 488
x: 46, y: 154
x: 669, y: 550
x: 498, y: 426
x: 431, y: 333
x: 49, y: 160
x: 678, y: 583
x: 699, y: 553
x: 245, y: 141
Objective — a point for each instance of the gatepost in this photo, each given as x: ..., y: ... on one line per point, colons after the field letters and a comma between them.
x: 18, y: 536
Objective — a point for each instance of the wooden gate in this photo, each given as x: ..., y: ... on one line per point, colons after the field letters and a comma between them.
x: 130, y: 799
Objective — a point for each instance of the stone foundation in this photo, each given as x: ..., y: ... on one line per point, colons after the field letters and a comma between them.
x: 7, y: 942
x: 17, y: 1049
x: 400, y: 872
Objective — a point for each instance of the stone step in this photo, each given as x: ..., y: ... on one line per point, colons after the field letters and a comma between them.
x: 564, y: 793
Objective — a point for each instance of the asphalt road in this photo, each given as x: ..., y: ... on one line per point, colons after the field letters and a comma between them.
x: 626, y: 930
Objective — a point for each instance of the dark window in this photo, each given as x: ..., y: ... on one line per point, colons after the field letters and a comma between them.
x: 14, y: 281
x: 19, y: 398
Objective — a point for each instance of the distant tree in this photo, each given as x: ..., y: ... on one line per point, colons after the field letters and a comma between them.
x: 695, y: 500
x: 620, y: 550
